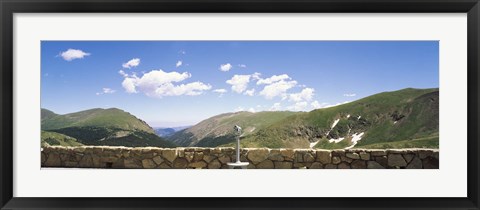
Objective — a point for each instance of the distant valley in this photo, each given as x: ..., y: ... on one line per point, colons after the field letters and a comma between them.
x: 405, y: 118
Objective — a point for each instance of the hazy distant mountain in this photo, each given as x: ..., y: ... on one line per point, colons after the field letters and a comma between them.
x: 165, y: 132
x: 398, y: 119
x: 112, y: 127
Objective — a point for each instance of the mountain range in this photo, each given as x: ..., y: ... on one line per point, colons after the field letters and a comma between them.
x: 399, y: 119
x: 109, y: 127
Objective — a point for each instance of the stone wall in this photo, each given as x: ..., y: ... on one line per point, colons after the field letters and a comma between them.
x: 215, y: 158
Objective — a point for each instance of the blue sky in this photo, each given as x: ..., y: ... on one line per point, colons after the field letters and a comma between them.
x: 175, y: 83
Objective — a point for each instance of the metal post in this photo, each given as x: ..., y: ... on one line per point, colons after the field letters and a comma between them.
x: 238, y: 147
x: 238, y: 164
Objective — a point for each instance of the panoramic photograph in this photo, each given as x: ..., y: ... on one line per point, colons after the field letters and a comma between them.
x: 240, y: 104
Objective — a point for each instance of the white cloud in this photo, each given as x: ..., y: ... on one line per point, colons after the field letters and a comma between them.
x: 225, y: 67
x: 72, y: 54
x: 305, y: 95
x: 272, y: 79
x: 179, y: 63
x: 158, y: 83
x: 239, y: 82
x: 250, y: 92
x: 299, y: 106
x: 318, y: 105
x: 256, y: 76
x: 182, y: 52
x: 251, y: 109
x: 108, y: 91
x: 105, y: 91
x: 276, y: 107
x: 220, y: 91
x: 278, y: 88
x: 131, y: 63
x: 238, y: 109
x: 242, y: 65
x: 349, y: 94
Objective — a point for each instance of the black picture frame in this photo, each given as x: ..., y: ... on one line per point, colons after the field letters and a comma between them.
x: 10, y: 7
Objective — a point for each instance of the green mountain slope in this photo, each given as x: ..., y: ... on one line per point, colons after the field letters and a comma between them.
x: 386, y: 120
x: 111, y: 127
x: 53, y: 138
x: 47, y: 114
x: 217, y: 130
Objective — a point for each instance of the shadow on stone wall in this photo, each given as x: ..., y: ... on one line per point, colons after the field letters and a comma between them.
x: 217, y: 158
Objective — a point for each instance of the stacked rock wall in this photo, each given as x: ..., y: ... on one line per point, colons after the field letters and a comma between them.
x: 216, y: 158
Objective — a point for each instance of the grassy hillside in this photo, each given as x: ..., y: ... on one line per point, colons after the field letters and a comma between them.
x: 218, y: 130
x: 397, y: 119
x: 109, y: 127
x: 53, y: 138
x: 112, y: 118
x: 386, y: 117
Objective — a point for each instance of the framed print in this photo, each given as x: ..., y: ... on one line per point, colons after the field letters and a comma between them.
x: 153, y: 104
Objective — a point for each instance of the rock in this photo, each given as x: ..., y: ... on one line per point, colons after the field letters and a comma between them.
x: 257, y: 156
x: 189, y: 156
x: 299, y: 156
x: 164, y: 165
x: 396, y: 160
x: 169, y: 154
x: 316, y: 165
x: 338, y: 152
x: 353, y: 155
x: 364, y: 156
x: 430, y: 163
x: 308, y: 158
x: 266, y: 164
x: 422, y: 154
x: 336, y: 160
x: 148, y: 163
x: 70, y: 164
x: 132, y: 163
x: 158, y: 160
x: 283, y: 165
x: 408, y: 157
x: 324, y: 156
x: 358, y: 164
x: 346, y: 159
x: 224, y: 159
x: 43, y: 157
x: 374, y: 165
x: 343, y: 165
x: 85, y: 162
x: 180, y: 153
x: 198, y: 165
x: 126, y: 153
x: 330, y: 166
x: 382, y: 160
x: 214, y: 164
x: 96, y: 161
x: 287, y: 154
x: 415, y: 163
x: 118, y: 164
x: 180, y: 163
x: 53, y: 160
x: 378, y: 153
x: 275, y: 155
x: 209, y: 158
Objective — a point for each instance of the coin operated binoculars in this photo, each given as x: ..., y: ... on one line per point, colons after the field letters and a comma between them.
x: 238, y: 164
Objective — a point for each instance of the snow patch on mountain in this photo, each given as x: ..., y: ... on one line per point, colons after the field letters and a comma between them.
x: 355, y: 138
